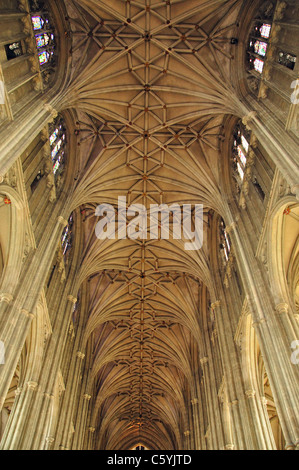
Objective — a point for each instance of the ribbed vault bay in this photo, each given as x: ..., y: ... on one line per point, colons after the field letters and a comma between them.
x: 151, y: 86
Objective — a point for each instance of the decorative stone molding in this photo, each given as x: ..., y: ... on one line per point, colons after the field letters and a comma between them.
x: 51, y: 111
x: 280, y: 10
x: 194, y: 401
x: 187, y: 433
x: 22, y: 5
x: 264, y: 401
x: 62, y: 221
x: 72, y: 299
x: 18, y: 391
x: 80, y: 355
x: 204, y: 360
x: 50, y: 396
x: 32, y: 385
x: 91, y: 429
x: 249, y: 118
x: 5, y: 297
x: 216, y: 304
x: 250, y: 393
x: 263, y: 92
x: 230, y: 227
x: 49, y: 442
x: 86, y: 397
x: 229, y: 447
x: 27, y: 313
x: 282, y: 308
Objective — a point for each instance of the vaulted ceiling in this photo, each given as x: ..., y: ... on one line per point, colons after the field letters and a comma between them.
x: 150, y: 86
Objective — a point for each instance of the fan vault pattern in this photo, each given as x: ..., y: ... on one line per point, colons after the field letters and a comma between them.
x: 150, y: 87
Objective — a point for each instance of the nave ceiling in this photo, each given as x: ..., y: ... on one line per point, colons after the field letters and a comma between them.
x: 150, y: 86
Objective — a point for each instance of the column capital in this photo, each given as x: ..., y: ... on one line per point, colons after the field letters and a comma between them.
x: 49, y: 440
x: 80, y: 355
x: 215, y: 304
x: 187, y: 433
x: 264, y: 401
x: 86, y: 396
x: 229, y: 447
x: 32, y: 385
x: 91, y: 429
x: 194, y: 401
x: 282, y: 308
x: 231, y: 227
x: 62, y: 221
x: 249, y: 118
x: 6, y: 297
x: 250, y: 393
x: 204, y: 360
x: 72, y: 299
x: 52, y: 111
x: 27, y: 313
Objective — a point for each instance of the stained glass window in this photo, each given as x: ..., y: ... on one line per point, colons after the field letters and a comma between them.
x: 259, y: 65
x: 242, y: 156
x: 44, y: 38
x: 225, y: 240
x: 259, y: 40
x: 66, y: 238
x: 244, y: 143
x: 260, y: 48
x: 265, y: 30
x: 38, y: 22
x: 57, y: 140
x: 43, y: 57
x: 241, y: 148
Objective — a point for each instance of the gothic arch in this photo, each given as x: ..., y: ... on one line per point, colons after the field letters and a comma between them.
x: 13, y: 241
x: 283, y: 249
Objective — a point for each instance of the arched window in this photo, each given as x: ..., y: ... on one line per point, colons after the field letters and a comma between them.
x: 44, y: 34
x: 225, y: 242
x: 67, y: 237
x: 58, y: 140
x: 259, y: 39
x: 241, y: 145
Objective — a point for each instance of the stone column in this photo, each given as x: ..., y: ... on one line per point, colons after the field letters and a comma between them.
x: 195, y: 414
x: 244, y: 433
x: 273, y: 333
x: 18, y: 135
x: 69, y: 400
x: 187, y: 440
x: 19, y: 310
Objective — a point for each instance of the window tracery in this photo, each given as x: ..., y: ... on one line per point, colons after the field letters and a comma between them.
x: 58, y: 140
x: 225, y: 242
x: 67, y: 237
x: 259, y: 39
x: 241, y: 146
x: 43, y: 33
